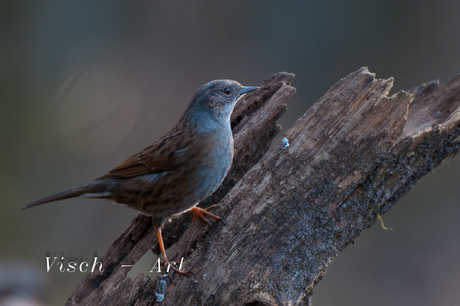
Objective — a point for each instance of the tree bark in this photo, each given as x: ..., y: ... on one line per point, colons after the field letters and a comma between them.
x: 292, y: 207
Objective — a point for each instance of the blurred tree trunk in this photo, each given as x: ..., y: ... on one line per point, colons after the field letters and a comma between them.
x: 292, y: 207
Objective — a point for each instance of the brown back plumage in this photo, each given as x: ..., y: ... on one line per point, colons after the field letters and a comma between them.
x: 161, y: 156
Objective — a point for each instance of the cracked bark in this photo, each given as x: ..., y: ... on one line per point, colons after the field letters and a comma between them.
x: 289, y: 210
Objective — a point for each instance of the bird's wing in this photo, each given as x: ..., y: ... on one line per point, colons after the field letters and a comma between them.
x: 164, y: 155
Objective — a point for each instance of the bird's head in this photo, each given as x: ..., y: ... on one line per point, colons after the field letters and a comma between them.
x: 217, y: 99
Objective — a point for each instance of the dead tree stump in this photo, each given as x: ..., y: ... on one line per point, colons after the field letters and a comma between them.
x: 290, y: 207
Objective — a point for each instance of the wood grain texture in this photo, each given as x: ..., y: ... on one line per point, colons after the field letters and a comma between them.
x: 350, y: 158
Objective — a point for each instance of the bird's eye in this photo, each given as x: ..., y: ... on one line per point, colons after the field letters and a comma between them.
x: 227, y: 91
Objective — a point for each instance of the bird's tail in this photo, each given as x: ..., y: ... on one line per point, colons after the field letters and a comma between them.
x: 89, y: 190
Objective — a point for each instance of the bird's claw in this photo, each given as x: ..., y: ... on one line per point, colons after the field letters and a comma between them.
x: 202, y: 212
x: 171, y: 265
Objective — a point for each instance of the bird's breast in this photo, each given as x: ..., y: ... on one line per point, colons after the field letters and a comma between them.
x: 214, y: 163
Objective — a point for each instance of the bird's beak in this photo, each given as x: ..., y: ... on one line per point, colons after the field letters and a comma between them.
x: 247, y: 89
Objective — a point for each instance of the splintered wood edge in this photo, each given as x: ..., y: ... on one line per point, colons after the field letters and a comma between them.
x: 434, y: 106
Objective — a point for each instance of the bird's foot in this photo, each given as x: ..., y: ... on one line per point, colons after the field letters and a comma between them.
x: 201, y: 213
x: 164, y: 259
x: 172, y: 265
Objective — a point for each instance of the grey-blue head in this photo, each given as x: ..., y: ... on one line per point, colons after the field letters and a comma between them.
x: 215, y: 100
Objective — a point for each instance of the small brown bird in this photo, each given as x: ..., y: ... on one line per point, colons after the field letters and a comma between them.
x: 180, y: 169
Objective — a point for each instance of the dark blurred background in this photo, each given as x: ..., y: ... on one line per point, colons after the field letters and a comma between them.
x: 85, y: 84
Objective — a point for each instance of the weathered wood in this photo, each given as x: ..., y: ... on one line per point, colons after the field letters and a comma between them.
x: 349, y: 159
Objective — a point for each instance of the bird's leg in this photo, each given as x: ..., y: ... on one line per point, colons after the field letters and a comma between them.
x: 163, y: 253
x: 201, y: 213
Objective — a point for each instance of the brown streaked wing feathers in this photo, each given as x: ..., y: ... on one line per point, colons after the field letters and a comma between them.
x: 159, y: 157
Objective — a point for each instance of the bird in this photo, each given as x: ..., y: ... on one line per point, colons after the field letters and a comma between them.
x: 180, y: 169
